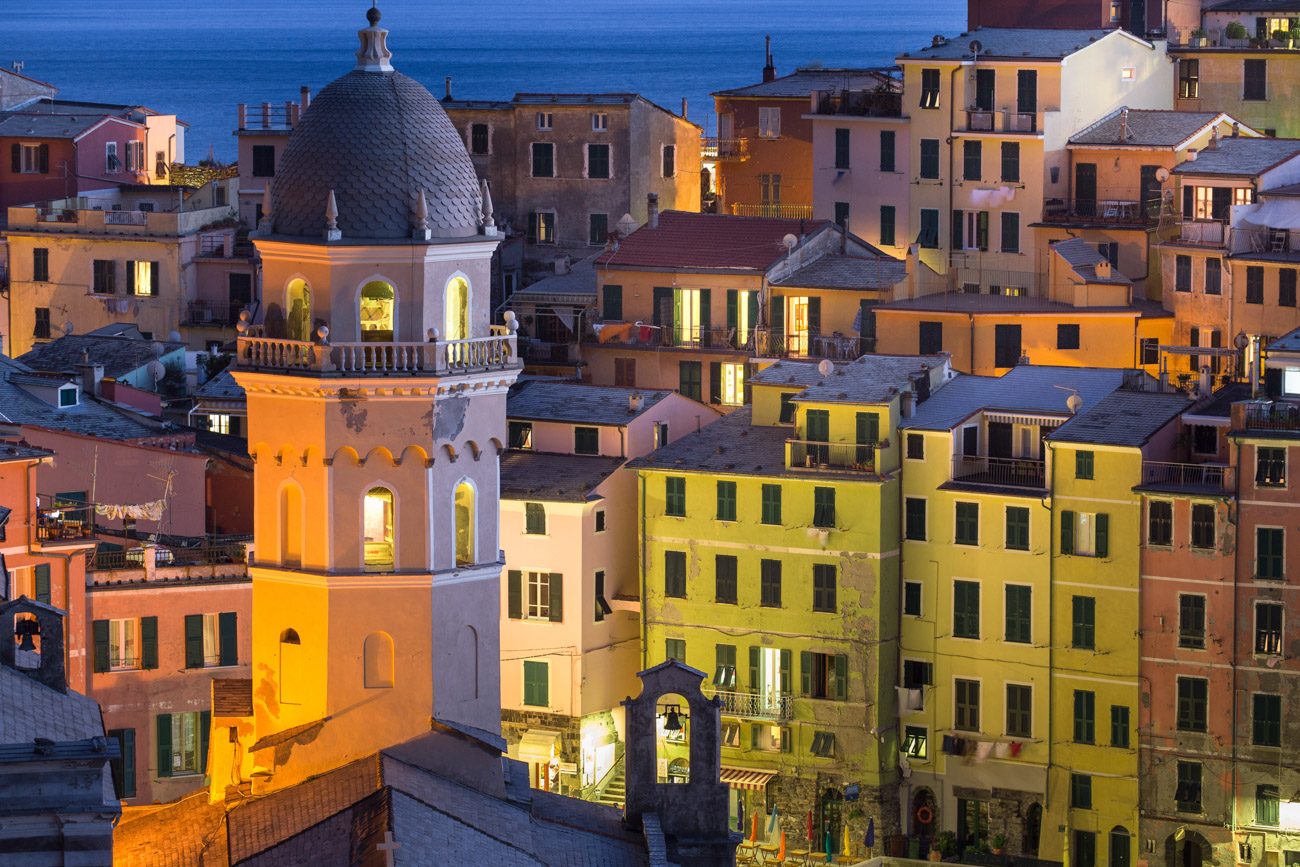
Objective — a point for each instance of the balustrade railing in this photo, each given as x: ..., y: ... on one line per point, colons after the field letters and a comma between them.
x: 768, y: 706
x: 1206, y: 477
x: 831, y: 456
x: 496, y: 351
x: 1007, y: 472
x: 1274, y: 416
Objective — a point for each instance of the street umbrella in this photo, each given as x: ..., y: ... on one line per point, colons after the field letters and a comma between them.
x: 753, y: 828
x: 829, y: 849
x: 780, y: 856
x: 848, y: 843
x: 810, y: 829
x: 871, y: 835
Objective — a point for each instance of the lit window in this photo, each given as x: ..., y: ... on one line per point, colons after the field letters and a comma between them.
x: 123, y: 644
x: 687, y: 325
x: 1128, y: 73
x: 142, y: 275
x: 183, y: 740
x: 219, y: 423
x: 377, y: 304
x: 914, y: 742
x: 466, y: 536
x: 378, y: 519
x: 733, y: 384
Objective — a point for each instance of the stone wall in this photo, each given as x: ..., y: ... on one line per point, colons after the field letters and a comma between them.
x: 793, y: 796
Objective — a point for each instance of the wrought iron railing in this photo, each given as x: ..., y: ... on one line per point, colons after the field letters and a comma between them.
x: 62, y: 521
x: 1101, y: 210
x: 203, y: 313
x: 715, y: 148
x: 1273, y: 416
x: 831, y: 456
x: 1007, y: 472
x: 750, y: 705
x: 1215, y: 478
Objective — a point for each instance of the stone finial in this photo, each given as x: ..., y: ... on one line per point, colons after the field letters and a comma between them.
x: 265, y: 226
x: 332, y: 232
x: 374, y: 56
x: 421, y: 231
x: 489, y: 225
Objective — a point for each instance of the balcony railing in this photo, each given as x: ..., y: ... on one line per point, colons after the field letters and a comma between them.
x: 841, y: 457
x: 767, y: 706
x: 1273, y: 416
x: 543, y: 352
x: 1002, y: 472
x: 1100, y: 210
x: 979, y: 120
x: 63, y: 522
x: 724, y: 149
x: 269, y: 115
x: 203, y: 313
x: 861, y: 103
x: 1203, y: 233
x: 1210, y: 478
x: 497, y: 352
x: 772, y: 209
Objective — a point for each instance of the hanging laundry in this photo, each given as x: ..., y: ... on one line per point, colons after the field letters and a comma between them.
x: 949, y: 744
x: 1015, y: 748
x: 140, y: 511
x: 1001, y: 749
x: 983, y: 750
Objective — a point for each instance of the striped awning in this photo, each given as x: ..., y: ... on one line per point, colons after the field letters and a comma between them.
x: 1021, y: 418
x: 746, y: 778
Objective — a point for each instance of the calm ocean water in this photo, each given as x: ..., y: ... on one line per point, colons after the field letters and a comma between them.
x: 199, y: 58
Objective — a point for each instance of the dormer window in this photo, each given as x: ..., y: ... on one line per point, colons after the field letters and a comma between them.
x: 599, y: 122
x: 68, y: 396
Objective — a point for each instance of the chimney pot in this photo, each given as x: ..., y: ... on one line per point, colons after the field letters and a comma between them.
x: 652, y: 210
x: 448, y: 87
x: 305, y: 97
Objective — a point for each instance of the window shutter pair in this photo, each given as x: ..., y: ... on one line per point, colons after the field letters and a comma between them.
x: 753, y: 670
x: 163, y: 744
x: 778, y: 315
x: 99, y: 630
x: 805, y: 672
x: 514, y: 595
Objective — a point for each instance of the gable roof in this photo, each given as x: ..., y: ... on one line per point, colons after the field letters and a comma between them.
x: 732, y: 445
x: 580, y: 281
x: 708, y: 242
x: 802, y: 82
x: 1083, y: 259
x: 552, y: 477
x: 1241, y: 157
x: 1016, y: 43
x: 89, y: 417
x: 120, y: 356
x: 221, y: 387
x: 547, y: 400
x: 1034, y: 389
x: 29, y: 709
x: 870, y: 379
x: 1148, y: 128
x: 1123, y: 418
x: 836, y: 271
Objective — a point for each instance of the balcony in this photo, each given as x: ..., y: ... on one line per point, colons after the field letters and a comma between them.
x: 830, y: 457
x: 218, y: 315
x: 772, y: 209
x: 1283, y: 417
x: 1189, y: 478
x: 62, y: 522
x: 1108, y: 210
x: 1203, y: 233
x: 992, y: 120
x: 724, y: 150
x: 859, y: 103
x: 66, y: 215
x: 764, y: 706
x: 269, y: 116
x: 543, y: 352
x: 999, y: 472
x: 440, y: 358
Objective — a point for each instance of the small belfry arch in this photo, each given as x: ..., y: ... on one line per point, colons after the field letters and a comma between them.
x: 456, y: 307
x: 290, y: 667
x: 377, y: 310
x: 465, y: 505
x: 377, y: 653
x: 297, y: 309
x: 292, y: 523
x: 379, y: 528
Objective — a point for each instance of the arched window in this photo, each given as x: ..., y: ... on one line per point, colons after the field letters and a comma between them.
x: 465, y: 524
x: 673, y: 738
x: 378, y: 653
x: 298, y: 319
x: 377, y: 520
x: 467, y: 661
x: 291, y: 525
x: 378, y: 303
x: 290, y: 667
x: 456, y: 309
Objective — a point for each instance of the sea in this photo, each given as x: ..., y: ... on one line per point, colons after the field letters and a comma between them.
x: 199, y: 58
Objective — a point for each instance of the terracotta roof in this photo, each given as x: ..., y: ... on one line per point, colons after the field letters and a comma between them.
x: 802, y: 82
x: 720, y: 242
x: 184, y: 833
x: 232, y: 696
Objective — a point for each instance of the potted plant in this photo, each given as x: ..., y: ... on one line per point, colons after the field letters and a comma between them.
x: 1197, y: 38
x: 999, y: 843
x: 947, y: 844
x: 1282, y: 38
x: 1235, y: 31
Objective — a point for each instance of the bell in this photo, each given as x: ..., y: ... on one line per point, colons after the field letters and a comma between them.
x: 26, y: 629
x: 672, y: 720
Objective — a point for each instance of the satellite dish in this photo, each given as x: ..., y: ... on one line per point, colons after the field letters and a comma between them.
x: 1162, y: 174
x: 976, y: 46
x: 174, y: 337
x: 790, y: 242
x: 158, y: 348
x: 825, y: 367
x: 156, y: 370
x: 1074, y: 402
x: 67, y: 328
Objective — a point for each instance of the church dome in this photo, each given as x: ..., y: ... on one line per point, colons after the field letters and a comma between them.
x: 376, y: 138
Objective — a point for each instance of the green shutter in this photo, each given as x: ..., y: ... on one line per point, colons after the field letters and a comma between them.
x: 661, y: 294
x: 556, y: 597
x: 155, y: 274
x: 149, y: 643
x: 753, y: 668
x: 753, y: 308
x: 706, y: 311
x: 785, y: 672
x: 868, y: 428
x: 733, y: 309
x: 805, y: 672
x: 814, y: 316
x: 749, y: 387
x: 715, y: 382
x: 958, y: 229
x: 514, y: 595
x: 982, y: 231
x: 842, y: 676
x: 205, y: 723
x: 163, y: 742
x: 228, y: 637
x: 1067, y: 532
x: 753, y: 737
x: 193, y: 640
x: 778, y: 314
x: 100, y: 631
x: 42, y: 573
x: 130, y: 277
x: 613, y: 296
x: 1103, y: 535
x: 127, y: 744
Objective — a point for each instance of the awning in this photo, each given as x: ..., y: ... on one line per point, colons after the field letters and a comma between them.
x: 1273, y: 214
x: 1021, y: 418
x: 746, y: 778
x: 538, y: 745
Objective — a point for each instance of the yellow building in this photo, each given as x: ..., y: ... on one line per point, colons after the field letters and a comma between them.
x: 770, y: 558
x: 976, y: 625
x: 1083, y: 313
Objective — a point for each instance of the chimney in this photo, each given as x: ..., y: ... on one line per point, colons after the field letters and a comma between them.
x: 1214, y: 139
x: 1103, y: 270
x: 1205, y: 384
x: 634, y: 403
x: 305, y: 97
x: 92, y: 378
x: 447, y: 98
x: 1191, y: 155
x: 1236, y: 129
x: 652, y: 211
x: 1123, y: 124
x: 683, y: 108
x: 561, y: 263
x: 769, y: 71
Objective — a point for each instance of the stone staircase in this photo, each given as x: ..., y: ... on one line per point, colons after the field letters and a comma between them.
x: 614, y: 793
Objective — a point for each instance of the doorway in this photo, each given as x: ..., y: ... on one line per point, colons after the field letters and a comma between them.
x: 1085, y: 189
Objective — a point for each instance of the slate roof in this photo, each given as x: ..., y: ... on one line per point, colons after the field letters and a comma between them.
x: 720, y: 242
x: 802, y: 82
x: 1011, y: 42
x: 1147, y: 128
x: 1256, y: 6
x: 1123, y: 418
x: 551, y: 477
x: 1289, y: 342
x: 375, y: 138
x: 869, y: 379
x: 1241, y: 157
x: 969, y: 302
x: 185, y: 833
x: 581, y: 280
x: 232, y: 696
x: 90, y: 417
x: 545, y: 400
x: 22, y: 453
x: 29, y: 709
x: 1285, y: 190
x: 1220, y: 403
x: 1027, y: 389
x: 834, y: 271
x: 119, y: 355
x: 45, y: 125
x: 221, y: 387
x: 732, y: 445
x: 1083, y: 259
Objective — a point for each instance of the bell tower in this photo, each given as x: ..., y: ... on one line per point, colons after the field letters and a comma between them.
x: 376, y: 408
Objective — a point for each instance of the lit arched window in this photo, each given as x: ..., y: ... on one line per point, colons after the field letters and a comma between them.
x: 298, y: 318
x: 290, y: 667
x: 377, y: 519
x: 456, y: 309
x: 465, y: 542
x: 377, y: 312
x: 378, y: 653
x: 291, y: 525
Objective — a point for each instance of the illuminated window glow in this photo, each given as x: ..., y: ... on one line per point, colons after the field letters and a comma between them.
x: 733, y: 384
x: 465, y: 530
x: 219, y: 423
x: 377, y: 307
x: 298, y: 316
x: 378, y: 522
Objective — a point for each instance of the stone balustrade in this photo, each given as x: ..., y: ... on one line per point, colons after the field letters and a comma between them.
x: 496, y: 352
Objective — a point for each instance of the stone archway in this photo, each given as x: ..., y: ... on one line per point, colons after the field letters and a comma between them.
x: 925, y: 813
x: 1192, y: 850
x: 1033, y: 827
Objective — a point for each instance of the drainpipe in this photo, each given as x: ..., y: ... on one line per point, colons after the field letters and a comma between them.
x: 1051, y: 646
x: 645, y: 629
x: 971, y: 318
x: 952, y: 158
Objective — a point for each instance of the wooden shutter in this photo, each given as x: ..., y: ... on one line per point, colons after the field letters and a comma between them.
x: 733, y: 307
x: 42, y: 576
x: 749, y: 388
x: 163, y: 744
x: 149, y: 643
x: 805, y: 672
x: 205, y: 723
x: 958, y: 230
x: 1103, y: 535
x: 514, y: 595
x: 193, y: 640
x: 661, y: 295
x: 786, y: 685
x: 1067, y: 532
x: 130, y: 277
x: 16, y: 158
x: 706, y: 312
x: 100, y: 631
x: 814, y: 316
x: 777, y: 318
x: 155, y: 276
x: 982, y: 230
x: 556, y: 597
x: 715, y: 382
x: 1189, y: 201
x: 841, y: 677
x: 753, y: 668
x: 228, y: 637
x: 45, y: 159
x: 127, y: 744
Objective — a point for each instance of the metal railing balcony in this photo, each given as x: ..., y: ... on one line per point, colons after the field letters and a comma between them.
x: 497, y: 352
x: 1210, y: 478
x: 63, y: 522
x: 860, y: 103
x: 839, y: 457
x: 747, y: 705
x: 1001, y: 472
x: 724, y: 149
x: 1273, y: 416
x: 1100, y: 210
x: 203, y: 313
x: 772, y: 209
x: 1203, y: 233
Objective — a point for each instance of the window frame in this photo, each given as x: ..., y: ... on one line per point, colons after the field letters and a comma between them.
x: 1192, y: 711
x: 587, y: 161
x: 535, y: 519
x: 962, y: 626
x: 769, y: 583
x: 1191, y: 636
x: 1024, y: 625
x: 586, y: 440
x: 533, y: 162
x: 725, y: 492
x: 825, y: 596
x: 1025, y: 713
x: 966, y: 522
x: 771, y: 505
x: 674, y: 574
x: 966, y: 709
x: 675, y: 496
